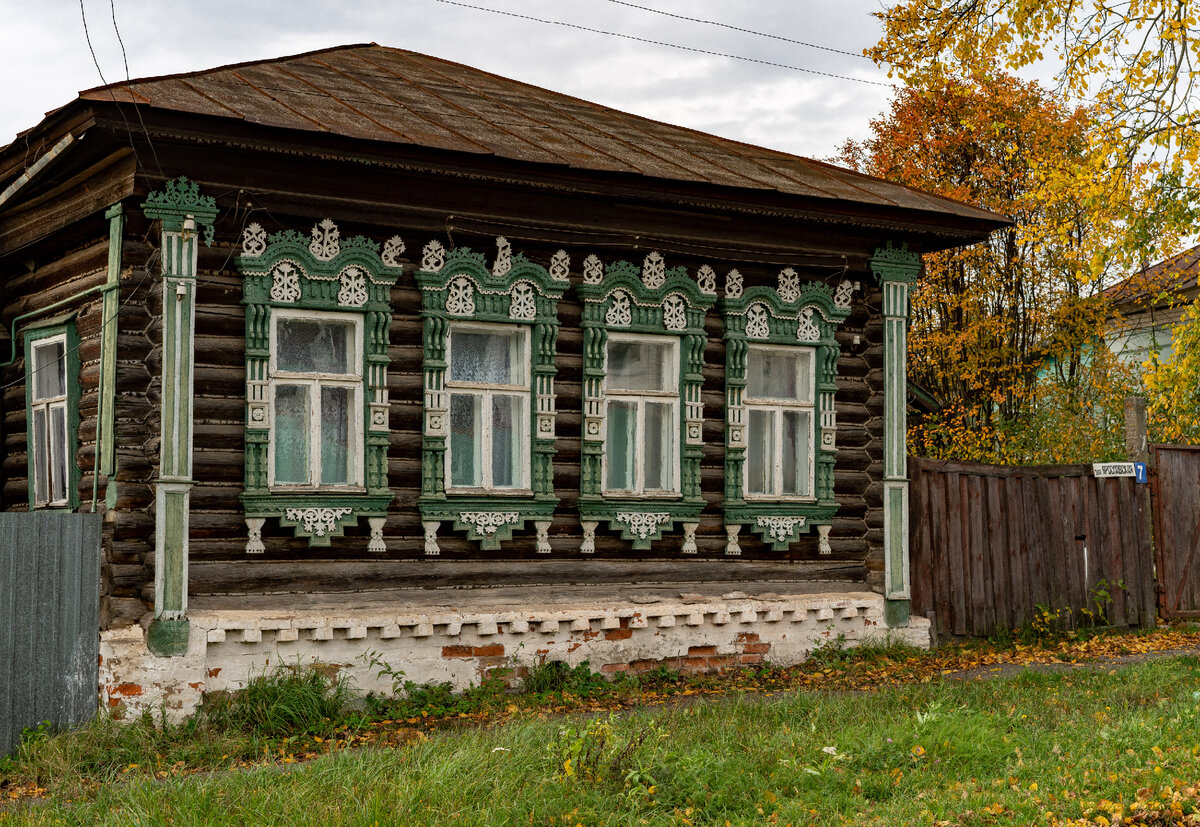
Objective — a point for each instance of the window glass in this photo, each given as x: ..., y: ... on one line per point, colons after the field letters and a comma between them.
x: 486, y: 357
x: 659, y: 443
x: 50, y: 370
x: 58, y: 452
x: 307, y: 346
x: 335, y: 436
x: 620, y: 446
x: 506, y: 441
x: 760, y: 452
x: 41, y: 465
x: 291, y: 434
x: 641, y: 366
x: 797, y: 441
x: 778, y: 374
x: 466, y: 436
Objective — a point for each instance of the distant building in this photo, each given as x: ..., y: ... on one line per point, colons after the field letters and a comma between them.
x: 1148, y: 304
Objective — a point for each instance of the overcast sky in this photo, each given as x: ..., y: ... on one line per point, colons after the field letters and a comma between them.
x: 46, y: 61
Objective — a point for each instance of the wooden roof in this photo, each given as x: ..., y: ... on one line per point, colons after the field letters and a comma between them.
x: 1172, y: 276
x: 382, y: 94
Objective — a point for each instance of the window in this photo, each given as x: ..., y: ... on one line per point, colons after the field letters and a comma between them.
x: 316, y: 391
x: 642, y: 401
x: 488, y: 384
x: 779, y: 413
x: 49, y: 447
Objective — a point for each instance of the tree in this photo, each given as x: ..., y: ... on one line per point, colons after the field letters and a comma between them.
x: 1173, y: 386
x: 1006, y: 328
x: 1134, y: 59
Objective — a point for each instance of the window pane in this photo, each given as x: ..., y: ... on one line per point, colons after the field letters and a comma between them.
x: 760, y: 452
x: 641, y: 366
x: 797, y: 452
x: 58, y: 453
x: 491, y: 357
x: 50, y: 370
x: 775, y: 374
x: 291, y: 434
x: 307, y: 346
x: 41, y: 464
x: 620, y: 446
x: 659, y: 459
x: 335, y: 436
x: 466, y: 470
x: 507, y: 441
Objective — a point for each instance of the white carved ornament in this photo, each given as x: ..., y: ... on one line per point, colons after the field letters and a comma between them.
x: 758, y: 324
x: 317, y: 521
x: 433, y: 257
x: 789, y: 285
x: 393, y: 248
x: 706, y: 280
x: 806, y: 327
x: 522, y: 304
x: 733, y: 285
x: 654, y: 271
x: 560, y: 266
x: 285, y: 282
x: 460, y: 299
x: 674, y: 312
x: 642, y: 524
x: 353, y: 291
x: 593, y: 269
x: 254, y: 240
x: 486, y: 522
x: 326, y: 240
x: 841, y: 296
x: 503, y: 257
x: 780, y: 528
x: 619, y: 314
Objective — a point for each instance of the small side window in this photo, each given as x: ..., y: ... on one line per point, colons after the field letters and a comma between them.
x: 49, y: 416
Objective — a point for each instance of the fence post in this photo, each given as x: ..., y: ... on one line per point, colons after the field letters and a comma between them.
x: 1137, y: 449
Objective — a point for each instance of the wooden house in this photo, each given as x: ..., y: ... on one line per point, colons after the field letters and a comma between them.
x: 1146, y: 307
x: 362, y: 350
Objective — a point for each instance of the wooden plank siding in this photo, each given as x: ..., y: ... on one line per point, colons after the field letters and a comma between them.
x: 989, y: 545
x: 1176, y: 481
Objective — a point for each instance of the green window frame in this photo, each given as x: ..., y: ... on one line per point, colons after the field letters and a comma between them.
x: 792, y: 319
x: 319, y: 280
x: 652, y: 303
x: 52, y: 415
x: 515, y: 297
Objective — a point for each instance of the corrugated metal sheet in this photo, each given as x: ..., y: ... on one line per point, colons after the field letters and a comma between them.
x: 49, y: 620
x: 376, y: 93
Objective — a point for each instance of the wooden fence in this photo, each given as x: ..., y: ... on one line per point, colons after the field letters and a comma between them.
x: 989, y: 544
x: 49, y: 620
x: 1176, y: 491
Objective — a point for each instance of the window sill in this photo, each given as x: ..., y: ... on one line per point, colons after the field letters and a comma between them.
x: 489, y: 492
x: 759, y: 498
x: 308, y: 489
x: 639, y: 495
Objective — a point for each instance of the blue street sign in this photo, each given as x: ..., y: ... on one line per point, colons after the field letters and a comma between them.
x: 1139, y: 472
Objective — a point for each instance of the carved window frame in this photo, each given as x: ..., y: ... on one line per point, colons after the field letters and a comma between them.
x: 624, y: 299
x: 791, y: 315
x: 778, y: 407
x: 457, y: 287
x: 322, y: 274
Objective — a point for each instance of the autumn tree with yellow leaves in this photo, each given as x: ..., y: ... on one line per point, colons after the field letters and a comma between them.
x: 1006, y: 334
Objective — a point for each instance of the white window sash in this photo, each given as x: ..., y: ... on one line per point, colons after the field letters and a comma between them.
x: 43, y: 467
x: 639, y: 399
x: 315, y: 381
x: 777, y: 407
x: 485, y: 392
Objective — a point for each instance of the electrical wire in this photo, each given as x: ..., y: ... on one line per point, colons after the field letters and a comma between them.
x: 692, y: 49
x: 740, y: 29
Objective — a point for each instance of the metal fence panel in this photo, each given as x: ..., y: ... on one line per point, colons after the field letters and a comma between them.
x: 49, y: 620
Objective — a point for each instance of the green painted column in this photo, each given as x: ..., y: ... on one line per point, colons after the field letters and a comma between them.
x: 896, y: 268
x: 108, y: 353
x: 182, y: 210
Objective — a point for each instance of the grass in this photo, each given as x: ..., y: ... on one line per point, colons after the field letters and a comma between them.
x: 915, y: 748
x: 1029, y: 749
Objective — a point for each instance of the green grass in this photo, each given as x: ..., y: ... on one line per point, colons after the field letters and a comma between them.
x: 1005, y: 751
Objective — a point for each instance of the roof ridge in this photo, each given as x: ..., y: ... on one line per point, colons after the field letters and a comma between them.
x: 226, y: 67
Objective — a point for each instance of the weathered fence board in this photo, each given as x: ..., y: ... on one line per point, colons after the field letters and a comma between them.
x: 989, y: 544
x: 49, y: 620
x: 1177, y: 528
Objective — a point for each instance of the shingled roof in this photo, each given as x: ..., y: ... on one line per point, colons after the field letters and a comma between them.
x: 378, y: 93
x: 1159, y: 283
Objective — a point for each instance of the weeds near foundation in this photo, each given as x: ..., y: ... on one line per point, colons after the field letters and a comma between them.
x: 598, y: 753
x: 555, y: 676
x: 295, y: 698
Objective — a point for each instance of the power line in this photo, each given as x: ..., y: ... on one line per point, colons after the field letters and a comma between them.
x: 740, y: 29
x: 663, y: 43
